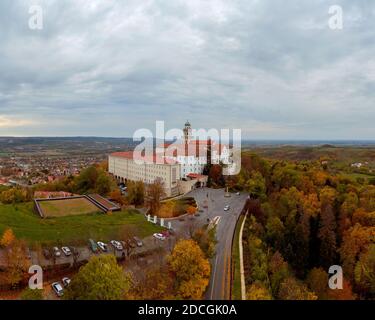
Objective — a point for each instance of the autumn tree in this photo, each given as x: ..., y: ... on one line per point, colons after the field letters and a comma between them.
x: 257, y: 291
x: 154, y: 284
x: 317, y: 280
x: 278, y: 271
x: 155, y: 192
x: 346, y: 293
x: 292, y: 289
x: 190, y: 268
x: 256, y: 186
x: 191, y: 210
x: 17, y: 262
x: 136, y: 192
x: 347, y: 209
x: 116, y: 196
x: 327, y: 236
x: 206, y: 240
x: 215, y: 174
x: 7, y: 238
x: 32, y: 294
x: 356, y: 241
x: 100, y: 279
x: 364, y: 272
x: 126, y: 234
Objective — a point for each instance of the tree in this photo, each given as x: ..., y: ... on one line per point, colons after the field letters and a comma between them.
x: 256, y: 186
x: 32, y: 294
x: 216, y: 174
x: 136, y: 192
x: 364, y: 272
x: 257, y: 291
x: 126, y: 234
x: 155, y: 285
x: 278, y: 271
x: 291, y: 289
x: 155, y: 192
x: 345, y: 293
x: 364, y: 218
x: 317, y: 280
x: 7, y: 238
x: 103, y: 184
x: 346, y: 212
x: 206, y: 240
x: 116, y: 196
x: 190, y: 268
x: 275, y: 232
x: 356, y: 241
x: 17, y: 262
x: 327, y: 236
x: 191, y: 210
x: 100, y: 279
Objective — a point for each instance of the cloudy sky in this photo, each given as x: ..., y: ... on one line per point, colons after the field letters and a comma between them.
x: 106, y: 68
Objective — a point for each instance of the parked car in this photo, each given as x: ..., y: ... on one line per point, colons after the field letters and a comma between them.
x: 117, y: 245
x: 165, y: 233
x: 66, y: 251
x: 159, y: 236
x: 138, y: 242
x: 66, y: 281
x: 56, y: 286
x: 237, y: 193
x: 226, y: 208
x: 102, y: 246
x: 56, y: 252
x: 93, y: 246
x: 46, y: 254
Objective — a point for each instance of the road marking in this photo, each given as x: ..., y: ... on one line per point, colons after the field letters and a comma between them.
x: 213, y: 279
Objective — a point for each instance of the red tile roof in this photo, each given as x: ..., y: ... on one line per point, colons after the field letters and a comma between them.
x: 155, y: 158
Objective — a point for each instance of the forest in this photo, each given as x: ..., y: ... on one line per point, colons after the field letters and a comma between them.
x: 303, y: 218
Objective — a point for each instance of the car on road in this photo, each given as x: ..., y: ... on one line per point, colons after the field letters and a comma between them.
x: 138, y: 241
x: 56, y: 252
x: 226, y: 208
x: 117, y: 245
x: 237, y: 193
x: 56, y: 286
x: 47, y: 254
x: 166, y: 233
x: 93, y: 246
x: 102, y: 246
x: 66, y: 251
x: 159, y: 236
x: 66, y: 281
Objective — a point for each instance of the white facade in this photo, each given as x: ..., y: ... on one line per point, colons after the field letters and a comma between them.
x: 124, y: 168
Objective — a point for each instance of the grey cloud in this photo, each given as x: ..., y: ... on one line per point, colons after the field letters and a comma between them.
x: 272, y: 68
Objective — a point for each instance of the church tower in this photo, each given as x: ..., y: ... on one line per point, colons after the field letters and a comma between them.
x: 187, y: 132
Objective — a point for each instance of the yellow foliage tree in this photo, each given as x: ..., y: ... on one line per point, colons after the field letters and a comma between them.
x: 7, y: 238
x: 257, y: 291
x: 190, y: 268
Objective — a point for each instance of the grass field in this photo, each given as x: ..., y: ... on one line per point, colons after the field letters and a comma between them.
x: 236, y: 284
x: 67, y: 207
x: 77, y: 229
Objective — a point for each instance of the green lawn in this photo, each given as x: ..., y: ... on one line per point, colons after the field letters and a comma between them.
x: 236, y: 284
x: 67, y: 207
x: 27, y: 225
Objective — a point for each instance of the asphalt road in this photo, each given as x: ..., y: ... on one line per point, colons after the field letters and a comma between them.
x: 220, y: 282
